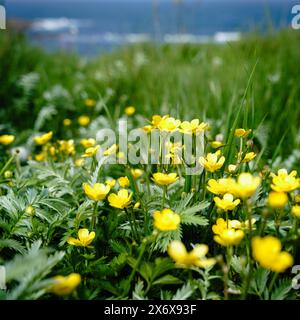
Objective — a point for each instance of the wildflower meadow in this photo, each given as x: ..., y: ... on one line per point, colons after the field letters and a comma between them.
x: 155, y: 172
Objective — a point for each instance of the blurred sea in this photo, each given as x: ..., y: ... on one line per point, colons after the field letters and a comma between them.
x: 90, y: 27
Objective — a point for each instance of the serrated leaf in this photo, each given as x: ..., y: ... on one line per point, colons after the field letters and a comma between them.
x: 184, y: 292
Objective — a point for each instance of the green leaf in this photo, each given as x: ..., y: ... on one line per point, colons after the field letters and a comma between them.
x: 138, y: 292
x: 194, y: 219
x: 184, y: 292
x: 12, y: 244
x: 167, y: 279
x: 281, y: 292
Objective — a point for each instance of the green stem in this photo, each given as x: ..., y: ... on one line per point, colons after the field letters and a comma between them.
x: 133, y: 272
x: 249, y: 275
x: 247, y: 282
x: 132, y: 226
x: 187, y: 185
x: 204, y: 185
x: 163, y: 197
x: 7, y: 164
x: 94, y: 217
x: 274, y: 278
x: 225, y: 271
x: 263, y: 225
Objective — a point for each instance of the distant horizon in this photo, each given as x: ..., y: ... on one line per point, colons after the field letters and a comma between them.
x: 93, y: 25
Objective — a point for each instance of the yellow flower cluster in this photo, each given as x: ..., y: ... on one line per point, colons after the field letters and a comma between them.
x: 213, y: 161
x: 85, y: 238
x: 231, y: 188
x: 267, y: 252
x: 43, y: 139
x: 228, y: 233
x: 164, y: 179
x: 96, y: 192
x: 197, y: 257
x: 65, y: 285
x: 166, y: 220
x: 227, y: 203
x: 7, y: 139
x: 244, y: 187
x: 120, y: 200
x: 284, y: 181
x: 170, y: 124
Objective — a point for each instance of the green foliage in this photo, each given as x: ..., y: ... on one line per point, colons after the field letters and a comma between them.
x: 253, y: 83
x: 29, y: 271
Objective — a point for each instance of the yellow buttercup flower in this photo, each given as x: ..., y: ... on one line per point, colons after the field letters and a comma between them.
x: 124, y: 182
x: 120, y: 200
x: 111, y: 150
x: 217, y: 144
x: 84, y: 120
x: 222, y: 225
x: 227, y: 203
x: 91, y: 152
x: 111, y: 183
x: 88, y: 143
x: 285, y: 182
x: 221, y: 186
x: 277, y: 200
x: 168, y: 124
x: 43, y: 139
x: 147, y: 128
x: 90, y: 103
x: 242, y: 133
x: 79, y: 162
x: 164, y: 179
x: 52, y: 151
x: 197, y: 257
x: 249, y: 157
x: 96, y: 192
x: 267, y: 252
x: 85, y: 238
x: 246, y: 185
x: 137, y: 205
x: 296, y: 211
x: 7, y: 139
x: 67, y: 122
x: 65, y: 285
x: 229, y: 237
x: 212, y: 162
x: 130, y: 110
x: 166, y: 220
x: 228, y: 233
x: 40, y: 157
x: 30, y: 210
x: 194, y: 126
x: 189, y: 127
x: 67, y: 147
x: 156, y: 120
x: 136, y: 173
